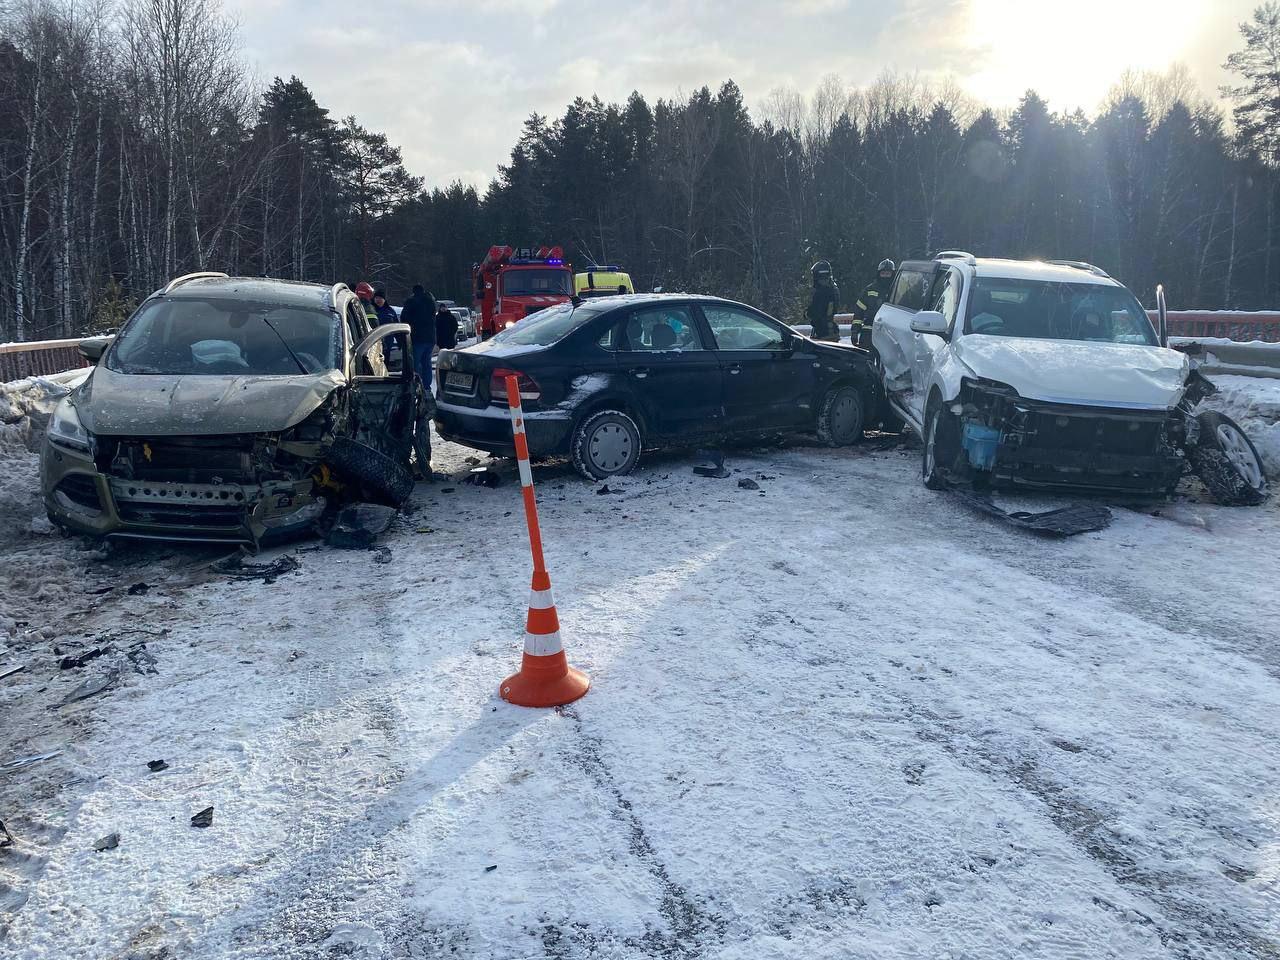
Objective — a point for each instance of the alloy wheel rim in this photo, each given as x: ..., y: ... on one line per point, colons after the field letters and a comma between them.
x: 1238, y: 452
x: 610, y: 447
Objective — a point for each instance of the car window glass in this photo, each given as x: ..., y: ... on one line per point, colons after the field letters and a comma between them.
x: 545, y: 327
x: 1049, y: 310
x: 946, y: 294
x: 739, y: 330
x: 659, y: 329
x: 609, y: 338
x: 226, y: 336
x: 911, y: 288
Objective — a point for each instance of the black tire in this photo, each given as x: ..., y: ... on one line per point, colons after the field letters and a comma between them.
x: 381, y: 479
x: 1227, y: 462
x: 841, y: 417
x: 941, y: 444
x: 605, y: 444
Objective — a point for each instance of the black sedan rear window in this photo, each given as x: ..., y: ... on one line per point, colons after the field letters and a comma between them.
x: 550, y: 326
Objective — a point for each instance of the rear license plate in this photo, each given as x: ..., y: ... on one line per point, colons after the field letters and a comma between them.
x: 464, y: 382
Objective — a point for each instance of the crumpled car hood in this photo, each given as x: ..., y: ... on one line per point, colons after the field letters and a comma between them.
x: 117, y: 404
x: 1080, y: 372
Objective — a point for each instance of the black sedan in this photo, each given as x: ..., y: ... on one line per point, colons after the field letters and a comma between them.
x: 605, y: 379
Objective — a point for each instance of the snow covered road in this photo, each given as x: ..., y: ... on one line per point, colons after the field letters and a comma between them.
x: 841, y: 716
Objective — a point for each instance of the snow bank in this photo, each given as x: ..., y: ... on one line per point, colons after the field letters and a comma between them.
x: 25, y: 406
x: 1254, y: 403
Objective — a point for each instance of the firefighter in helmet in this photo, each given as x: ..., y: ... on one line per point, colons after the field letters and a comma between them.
x: 365, y: 293
x: 824, y: 302
x: 868, y: 304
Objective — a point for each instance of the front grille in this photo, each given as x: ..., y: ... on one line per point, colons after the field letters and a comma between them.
x: 185, y: 459
x: 181, y: 515
x: 80, y: 489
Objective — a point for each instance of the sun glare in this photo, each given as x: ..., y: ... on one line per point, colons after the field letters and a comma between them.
x: 1089, y: 44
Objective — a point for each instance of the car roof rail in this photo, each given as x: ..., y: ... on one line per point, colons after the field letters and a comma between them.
x: 187, y: 278
x: 1081, y: 265
x: 964, y: 255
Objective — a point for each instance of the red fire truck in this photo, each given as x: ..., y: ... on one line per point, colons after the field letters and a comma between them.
x: 511, y: 283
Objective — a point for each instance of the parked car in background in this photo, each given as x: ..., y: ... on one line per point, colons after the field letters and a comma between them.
x: 234, y: 409
x: 1049, y: 375
x: 466, y: 322
x: 605, y: 380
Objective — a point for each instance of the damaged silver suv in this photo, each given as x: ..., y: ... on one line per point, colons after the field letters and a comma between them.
x: 1018, y: 373
x: 233, y: 409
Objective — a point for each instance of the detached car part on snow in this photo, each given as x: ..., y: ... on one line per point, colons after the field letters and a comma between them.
x: 235, y: 410
x: 1050, y: 375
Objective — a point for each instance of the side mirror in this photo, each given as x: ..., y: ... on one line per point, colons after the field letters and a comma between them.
x: 92, y: 348
x: 929, y: 321
x: 1163, y: 313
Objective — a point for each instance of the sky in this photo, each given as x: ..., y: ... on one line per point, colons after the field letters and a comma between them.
x: 452, y: 82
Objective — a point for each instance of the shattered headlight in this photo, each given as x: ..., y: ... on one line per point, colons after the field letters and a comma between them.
x: 66, y: 430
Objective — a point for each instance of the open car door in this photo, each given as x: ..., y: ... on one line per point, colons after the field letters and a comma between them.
x: 895, y: 342
x: 392, y: 415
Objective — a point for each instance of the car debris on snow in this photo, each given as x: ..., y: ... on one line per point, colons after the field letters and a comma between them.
x: 746, y: 483
x: 235, y: 567
x: 141, y: 659
x: 483, y: 477
x: 203, y: 819
x: 72, y: 663
x: 1062, y: 522
x: 10, y: 671
x: 6, y: 838
x: 382, y: 555
x: 155, y: 766
x: 138, y: 589
x: 109, y: 842
x: 358, y: 525
x: 92, y: 687
x: 34, y: 758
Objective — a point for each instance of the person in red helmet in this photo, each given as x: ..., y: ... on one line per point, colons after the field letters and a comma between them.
x: 365, y: 293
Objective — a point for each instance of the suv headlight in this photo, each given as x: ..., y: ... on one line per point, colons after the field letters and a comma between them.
x: 65, y: 429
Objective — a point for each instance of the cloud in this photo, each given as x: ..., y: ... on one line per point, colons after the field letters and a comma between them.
x: 452, y: 84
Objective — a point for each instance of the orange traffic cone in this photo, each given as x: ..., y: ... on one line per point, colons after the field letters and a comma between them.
x: 545, y: 678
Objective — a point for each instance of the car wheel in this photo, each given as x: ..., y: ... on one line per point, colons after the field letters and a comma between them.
x: 1227, y: 462
x: 382, y: 479
x: 939, y: 446
x: 840, y: 418
x: 605, y: 444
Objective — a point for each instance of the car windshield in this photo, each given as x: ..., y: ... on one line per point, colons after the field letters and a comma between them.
x: 219, y: 337
x: 1050, y: 310
x: 547, y: 326
x: 528, y: 283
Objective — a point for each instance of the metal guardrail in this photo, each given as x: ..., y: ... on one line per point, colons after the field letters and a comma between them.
x: 1227, y: 324
x: 39, y: 358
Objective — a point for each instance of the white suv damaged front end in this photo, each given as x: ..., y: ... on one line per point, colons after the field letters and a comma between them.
x: 1048, y: 375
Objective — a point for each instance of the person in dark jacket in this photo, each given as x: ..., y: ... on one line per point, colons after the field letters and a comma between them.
x: 419, y: 313
x: 383, y: 312
x: 824, y: 302
x: 869, y: 303
x: 446, y: 328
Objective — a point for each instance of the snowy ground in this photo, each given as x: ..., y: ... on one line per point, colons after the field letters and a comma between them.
x: 841, y: 716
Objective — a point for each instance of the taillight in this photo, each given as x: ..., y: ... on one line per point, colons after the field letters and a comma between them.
x: 529, y: 389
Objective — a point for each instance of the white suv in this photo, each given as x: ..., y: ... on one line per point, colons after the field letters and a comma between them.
x: 1049, y: 374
